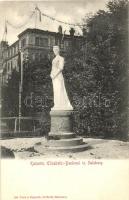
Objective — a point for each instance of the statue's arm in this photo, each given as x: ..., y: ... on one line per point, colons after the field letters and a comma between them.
x: 61, y: 64
x: 60, y: 68
x: 52, y: 75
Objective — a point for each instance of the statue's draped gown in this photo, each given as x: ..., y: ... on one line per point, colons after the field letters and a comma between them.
x: 61, y: 100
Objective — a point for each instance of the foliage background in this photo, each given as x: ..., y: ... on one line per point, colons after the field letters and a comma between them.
x: 96, y: 77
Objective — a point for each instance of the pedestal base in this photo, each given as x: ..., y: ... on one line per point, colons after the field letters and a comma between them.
x: 61, y: 137
x: 61, y: 122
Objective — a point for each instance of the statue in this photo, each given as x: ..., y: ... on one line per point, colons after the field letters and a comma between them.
x: 61, y: 100
x: 60, y: 138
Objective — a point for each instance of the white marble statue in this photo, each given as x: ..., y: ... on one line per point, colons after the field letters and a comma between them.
x: 61, y: 100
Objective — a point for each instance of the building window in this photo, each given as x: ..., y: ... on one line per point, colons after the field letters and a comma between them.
x: 31, y: 40
x: 33, y: 57
x: 56, y: 41
x: 8, y: 68
x: 11, y: 66
x: 43, y: 42
x: 52, y: 41
x: 23, y: 42
x: 16, y: 48
x: 9, y: 52
x: 37, y: 41
x: 67, y: 43
x: 12, y: 51
x: 36, y: 57
x: 62, y: 44
x: 39, y: 56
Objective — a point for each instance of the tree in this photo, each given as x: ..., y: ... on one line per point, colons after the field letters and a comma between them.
x: 10, y: 96
x: 100, y: 74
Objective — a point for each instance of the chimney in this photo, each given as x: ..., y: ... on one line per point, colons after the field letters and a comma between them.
x: 60, y: 29
x: 72, y: 31
x: 4, y: 44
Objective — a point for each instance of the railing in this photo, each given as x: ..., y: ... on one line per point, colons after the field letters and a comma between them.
x: 18, y: 124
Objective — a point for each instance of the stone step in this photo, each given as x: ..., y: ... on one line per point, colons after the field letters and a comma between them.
x: 65, y: 142
x: 66, y: 149
x: 61, y: 135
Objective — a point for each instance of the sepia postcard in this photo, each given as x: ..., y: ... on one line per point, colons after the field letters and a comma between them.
x: 64, y: 106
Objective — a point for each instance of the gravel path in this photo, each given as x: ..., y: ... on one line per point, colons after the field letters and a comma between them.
x: 23, y: 148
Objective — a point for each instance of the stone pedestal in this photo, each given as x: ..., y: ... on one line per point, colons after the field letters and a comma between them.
x: 61, y: 122
x: 61, y: 138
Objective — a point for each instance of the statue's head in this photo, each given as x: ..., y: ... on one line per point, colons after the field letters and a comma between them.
x: 56, y: 50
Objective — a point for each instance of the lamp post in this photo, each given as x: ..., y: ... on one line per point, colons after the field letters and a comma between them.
x: 20, y: 87
x: 22, y: 61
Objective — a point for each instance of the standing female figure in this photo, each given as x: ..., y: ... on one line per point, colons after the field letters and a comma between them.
x: 61, y: 100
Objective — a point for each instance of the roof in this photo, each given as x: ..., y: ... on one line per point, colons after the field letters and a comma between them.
x: 29, y: 30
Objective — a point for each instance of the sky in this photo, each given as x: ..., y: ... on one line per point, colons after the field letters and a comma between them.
x: 17, y: 13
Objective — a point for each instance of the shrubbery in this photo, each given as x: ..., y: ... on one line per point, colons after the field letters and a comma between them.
x: 96, y: 77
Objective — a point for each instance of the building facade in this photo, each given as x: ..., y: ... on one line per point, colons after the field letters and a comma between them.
x: 35, y: 44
